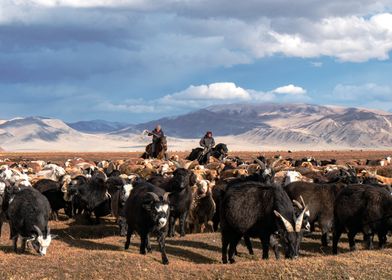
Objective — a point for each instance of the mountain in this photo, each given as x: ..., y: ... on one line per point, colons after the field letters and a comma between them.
x: 46, y: 134
x: 292, y: 125
x: 98, y: 126
x: 195, y: 124
x: 242, y: 126
x: 34, y: 128
x: 236, y: 119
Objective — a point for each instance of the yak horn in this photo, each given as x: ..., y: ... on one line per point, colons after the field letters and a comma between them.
x: 288, y: 226
x: 37, y: 229
x: 298, y: 223
x: 154, y: 195
x: 48, y: 231
x: 166, y: 196
x: 259, y: 162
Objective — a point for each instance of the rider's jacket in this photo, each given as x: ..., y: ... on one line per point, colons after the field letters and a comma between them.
x: 207, y: 142
x: 156, y: 135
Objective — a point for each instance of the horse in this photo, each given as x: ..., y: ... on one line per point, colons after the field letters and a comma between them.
x: 219, y: 152
x: 160, y: 150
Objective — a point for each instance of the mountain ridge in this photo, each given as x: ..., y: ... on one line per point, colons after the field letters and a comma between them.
x: 302, y: 126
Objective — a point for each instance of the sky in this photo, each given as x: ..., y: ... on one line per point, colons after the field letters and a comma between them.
x: 139, y: 60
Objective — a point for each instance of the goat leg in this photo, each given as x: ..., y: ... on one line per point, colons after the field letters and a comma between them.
x: 248, y: 245
x: 128, y: 240
x: 182, y: 223
x: 162, y: 248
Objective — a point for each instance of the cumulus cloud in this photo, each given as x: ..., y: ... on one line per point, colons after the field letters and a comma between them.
x: 195, y: 97
x: 218, y: 91
x: 289, y: 89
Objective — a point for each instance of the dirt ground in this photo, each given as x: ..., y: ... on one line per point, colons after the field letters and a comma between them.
x: 96, y: 251
x: 97, y: 156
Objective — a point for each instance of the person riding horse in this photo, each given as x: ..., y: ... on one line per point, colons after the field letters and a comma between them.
x: 157, y: 135
x: 207, y: 142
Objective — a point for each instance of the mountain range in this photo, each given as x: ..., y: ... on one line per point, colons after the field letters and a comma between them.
x: 98, y: 126
x: 243, y: 126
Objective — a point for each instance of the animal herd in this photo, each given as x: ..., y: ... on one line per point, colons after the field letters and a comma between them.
x: 275, y: 200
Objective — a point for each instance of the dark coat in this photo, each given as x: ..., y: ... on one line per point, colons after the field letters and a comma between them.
x: 156, y: 135
x: 207, y: 142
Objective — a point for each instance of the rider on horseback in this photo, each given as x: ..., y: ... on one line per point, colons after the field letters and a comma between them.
x: 207, y: 142
x: 157, y: 134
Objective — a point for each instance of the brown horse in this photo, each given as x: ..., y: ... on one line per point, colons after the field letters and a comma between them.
x: 160, y: 150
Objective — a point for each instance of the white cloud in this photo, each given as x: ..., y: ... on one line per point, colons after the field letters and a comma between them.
x: 219, y: 91
x: 196, y: 97
x: 290, y: 89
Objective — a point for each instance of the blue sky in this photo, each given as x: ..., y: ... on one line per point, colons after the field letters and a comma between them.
x: 137, y: 60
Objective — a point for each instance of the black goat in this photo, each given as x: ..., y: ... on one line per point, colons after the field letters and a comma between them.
x: 52, y: 191
x: 92, y: 197
x: 320, y: 200
x: 264, y: 175
x: 362, y: 208
x: 28, y: 212
x: 255, y: 209
x: 180, y: 188
x: 147, y: 211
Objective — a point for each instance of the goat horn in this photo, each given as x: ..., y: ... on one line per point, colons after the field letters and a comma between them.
x: 37, y: 229
x: 166, y: 196
x: 299, y: 205
x: 302, y: 201
x: 48, y: 231
x: 177, y: 164
x: 298, y: 223
x: 154, y: 195
x: 259, y: 162
x: 188, y: 164
x: 288, y: 226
